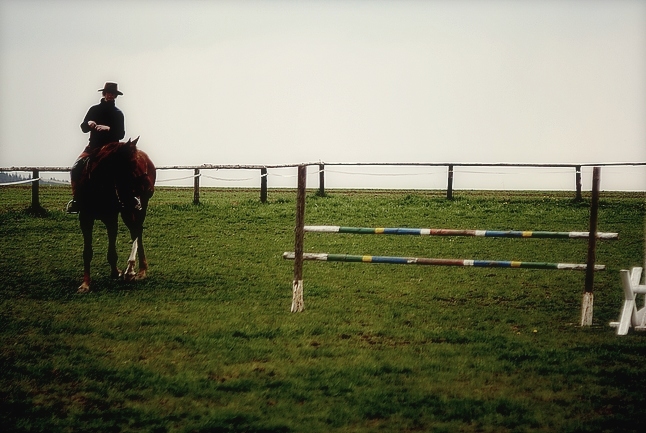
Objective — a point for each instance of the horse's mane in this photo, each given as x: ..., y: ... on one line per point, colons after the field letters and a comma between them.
x: 112, y: 159
x: 107, y: 151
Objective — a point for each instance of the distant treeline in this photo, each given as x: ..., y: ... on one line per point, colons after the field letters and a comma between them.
x: 11, y: 177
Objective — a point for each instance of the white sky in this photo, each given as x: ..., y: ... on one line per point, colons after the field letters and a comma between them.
x: 273, y: 82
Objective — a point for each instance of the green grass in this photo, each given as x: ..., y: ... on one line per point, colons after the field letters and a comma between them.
x: 207, y: 342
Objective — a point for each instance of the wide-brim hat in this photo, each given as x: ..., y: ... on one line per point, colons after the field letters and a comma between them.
x: 111, y: 88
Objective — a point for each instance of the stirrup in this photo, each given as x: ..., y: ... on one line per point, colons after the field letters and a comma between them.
x: 72, y: 207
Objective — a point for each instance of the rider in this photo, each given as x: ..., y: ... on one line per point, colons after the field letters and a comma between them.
x: 105, y: 123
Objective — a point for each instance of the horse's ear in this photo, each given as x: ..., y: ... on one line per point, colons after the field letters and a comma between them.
x: 132, y: 143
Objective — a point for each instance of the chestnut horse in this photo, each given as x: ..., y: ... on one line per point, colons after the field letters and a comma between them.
x: 118, y: 179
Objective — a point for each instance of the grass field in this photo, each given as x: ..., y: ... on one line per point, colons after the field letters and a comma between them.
x: 207, y: 342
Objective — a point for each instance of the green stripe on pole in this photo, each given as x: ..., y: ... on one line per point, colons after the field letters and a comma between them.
x: 357, y: 230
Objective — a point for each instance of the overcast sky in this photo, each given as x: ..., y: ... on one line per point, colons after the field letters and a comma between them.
x: 273, y: 82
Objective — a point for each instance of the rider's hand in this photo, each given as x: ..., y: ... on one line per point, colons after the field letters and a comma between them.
x: 91, y: 124
x: 102, y: 128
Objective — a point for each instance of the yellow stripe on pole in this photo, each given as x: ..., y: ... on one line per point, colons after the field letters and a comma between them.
x: 366, y: 259
x: 379, y: 230
x: 515, y: 264
x: 527, y: 234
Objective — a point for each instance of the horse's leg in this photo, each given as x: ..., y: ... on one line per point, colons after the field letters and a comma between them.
x: 129, y: 274
x: 135, y: 222
x: 87, y: 224
x: 111, y: 223
x: 143, y: 264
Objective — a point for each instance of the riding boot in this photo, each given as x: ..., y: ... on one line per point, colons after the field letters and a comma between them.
x: 76, y: 174
x: 72, y: 207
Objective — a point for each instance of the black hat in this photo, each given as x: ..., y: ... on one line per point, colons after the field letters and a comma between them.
x: 111, y: 88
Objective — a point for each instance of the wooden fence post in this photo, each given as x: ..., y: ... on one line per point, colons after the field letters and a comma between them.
x: 449, y: 187
x: 588, y: 296
x: 196, y: 186
x: 35, y: 185
x: 578, y: 183
x: 321, y: 180
x: 299, y: 232
x: 263, y: 185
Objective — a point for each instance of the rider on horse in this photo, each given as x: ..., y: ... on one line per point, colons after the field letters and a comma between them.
x: 105, y: 123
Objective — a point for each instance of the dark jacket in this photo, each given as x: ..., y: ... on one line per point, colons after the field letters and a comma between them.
x: 104, y: 113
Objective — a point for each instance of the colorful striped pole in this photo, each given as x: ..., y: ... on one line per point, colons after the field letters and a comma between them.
x: 441, y: 262
x: 452, y: 232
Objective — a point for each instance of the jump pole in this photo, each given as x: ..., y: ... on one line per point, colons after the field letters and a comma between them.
x: 325, y: 257
x: 297, y: 285
x: 588, y: 295
x: 454, y: 232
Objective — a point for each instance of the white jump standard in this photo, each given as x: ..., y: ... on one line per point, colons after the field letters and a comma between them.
x: 631, y: 316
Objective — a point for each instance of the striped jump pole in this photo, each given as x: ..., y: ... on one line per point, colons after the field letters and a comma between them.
x: 453, y: 232
x: 324, y: 257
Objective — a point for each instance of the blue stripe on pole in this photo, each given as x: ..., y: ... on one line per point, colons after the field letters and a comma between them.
x: 401, y: 231
x: 392, y: 260
x: 498, y: 234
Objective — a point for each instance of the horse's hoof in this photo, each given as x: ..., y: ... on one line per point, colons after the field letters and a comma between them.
x: 116, y: 274
x: 83, y: 288
x: 129, y: 277
x: 141, y: 275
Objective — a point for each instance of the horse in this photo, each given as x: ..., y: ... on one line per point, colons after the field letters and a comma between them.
x: 118, y: 179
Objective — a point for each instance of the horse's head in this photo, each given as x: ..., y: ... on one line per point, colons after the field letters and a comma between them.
x: 126, y: 154
x: 133, y: 175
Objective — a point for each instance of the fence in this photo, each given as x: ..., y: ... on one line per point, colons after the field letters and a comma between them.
x: 198, y: 172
